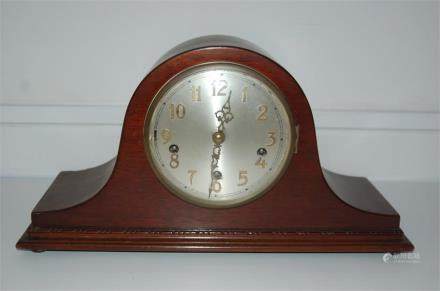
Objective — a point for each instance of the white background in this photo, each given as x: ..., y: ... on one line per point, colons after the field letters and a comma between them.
x: 370, y: 71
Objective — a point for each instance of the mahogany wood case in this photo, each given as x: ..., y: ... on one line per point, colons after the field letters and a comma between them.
x: 122, y: 206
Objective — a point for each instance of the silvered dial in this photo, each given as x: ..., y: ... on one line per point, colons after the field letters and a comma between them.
x: 218, y: 135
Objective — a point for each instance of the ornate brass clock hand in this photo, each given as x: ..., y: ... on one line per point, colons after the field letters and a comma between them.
x: 223, y: 116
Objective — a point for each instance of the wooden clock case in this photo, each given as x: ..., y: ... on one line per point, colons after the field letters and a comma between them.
x: 122, y: 206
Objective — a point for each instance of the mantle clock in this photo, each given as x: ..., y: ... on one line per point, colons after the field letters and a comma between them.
x: 218, y: 153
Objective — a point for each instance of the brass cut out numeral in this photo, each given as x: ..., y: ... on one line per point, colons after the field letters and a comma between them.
x: 177, y: 111
x: 165, y: 134
x: 216, y: 186
x: 191, y: 175
x: 263, y: 112
x: 196, y: 94
x: 244, y: 95
x: 271, y: 137
x: 261, y: 163
x: 242, y: 178
x: 222, y: 85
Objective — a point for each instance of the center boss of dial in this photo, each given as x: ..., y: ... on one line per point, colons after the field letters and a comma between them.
x: 218, y: 137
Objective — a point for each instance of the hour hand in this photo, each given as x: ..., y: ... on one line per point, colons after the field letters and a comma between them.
x: 225, y: 115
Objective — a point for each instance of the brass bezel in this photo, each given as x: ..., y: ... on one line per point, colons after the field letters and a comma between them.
x: 292, y: 147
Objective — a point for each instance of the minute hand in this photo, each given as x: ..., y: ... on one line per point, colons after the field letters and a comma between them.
x: 223, y: 116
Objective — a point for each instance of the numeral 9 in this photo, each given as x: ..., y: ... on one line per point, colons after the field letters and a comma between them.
x: 165, y: 134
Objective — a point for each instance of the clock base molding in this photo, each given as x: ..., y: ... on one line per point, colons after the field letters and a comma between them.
x: 40, y: 239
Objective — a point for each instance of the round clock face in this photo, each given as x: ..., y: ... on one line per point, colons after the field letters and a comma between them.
x: 219, y: 135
